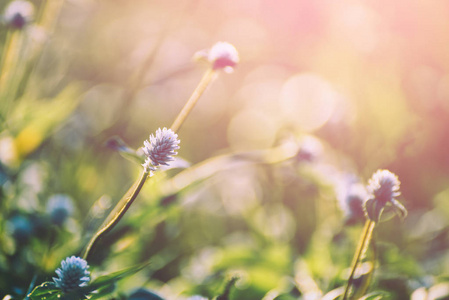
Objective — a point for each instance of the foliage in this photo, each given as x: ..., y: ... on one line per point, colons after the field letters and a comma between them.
x: 267, y: 192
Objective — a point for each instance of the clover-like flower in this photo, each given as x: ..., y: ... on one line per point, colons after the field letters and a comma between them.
x: 18, y: 13
x: 160, y: 148
x: 222, y: 56
x: 72, y: 274
x: 383, y: 188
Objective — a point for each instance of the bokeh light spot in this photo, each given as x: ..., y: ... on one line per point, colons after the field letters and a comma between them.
x: 251, y: 129
x: 308, y: 101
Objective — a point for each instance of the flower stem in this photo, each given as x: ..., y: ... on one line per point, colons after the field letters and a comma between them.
x: 361, y: 250
x: 204, y: 83
x: 118, y: 216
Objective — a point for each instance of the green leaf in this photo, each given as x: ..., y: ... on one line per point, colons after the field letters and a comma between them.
x: 102, y: 292
x: 285, y: 297
x: 362, y: 282
x: 399, y: 209
x: 334, y: 294
x: 227, y: 290
x: 37, y: 119
x: 105, y: 282
x: 375, y: 296
x: 47, y: 291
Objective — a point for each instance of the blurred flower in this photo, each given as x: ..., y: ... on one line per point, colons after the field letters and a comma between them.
x: 352, y: 199
x: 160, y: 148
x: 72, y: 275
x: 18, y: 13
x: 59, y: 208
x: 383, y: 187
x: 20, y: 228
x: 310, y: 149
x: 144, y: 294
x: 222, y: 55
x: 197, y: 297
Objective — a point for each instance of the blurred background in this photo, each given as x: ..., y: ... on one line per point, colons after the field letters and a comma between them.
x: 349, y: 86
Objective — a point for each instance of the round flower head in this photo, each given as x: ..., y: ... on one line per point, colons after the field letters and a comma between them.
x: 352, y: 198
x: 222, y: 56
x: 384, y: 186
x: 59, y: 208
x: 18, y: 13
x: 310, y: 149
x: 72, y: 274
x: 160, y: 148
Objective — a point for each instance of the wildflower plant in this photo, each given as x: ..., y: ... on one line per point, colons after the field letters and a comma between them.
x: 159, y: 150
x: 161, y: 147
x: 222, y: 56
x: 270, y: 197
x: 383, y: 188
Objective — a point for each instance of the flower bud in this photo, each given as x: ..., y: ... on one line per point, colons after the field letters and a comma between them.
x: 222, y: 56
x: 18, y: 14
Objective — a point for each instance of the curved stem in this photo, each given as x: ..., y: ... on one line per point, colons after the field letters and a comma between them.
x: 361, y: 249
x: 204, y: 83
x: 10, y: 59
x: 118, y: 216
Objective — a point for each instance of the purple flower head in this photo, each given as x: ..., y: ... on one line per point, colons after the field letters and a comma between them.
x: 160, y: 148
x: 18, y: 13
x: 222, y: 56
x: 352, y: 200
x: 384, y: 186
x: 72, y: 274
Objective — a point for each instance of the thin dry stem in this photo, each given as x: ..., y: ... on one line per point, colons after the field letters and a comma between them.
x: 360, y: 252
x: 118, y: 216
x: 204, y: 83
